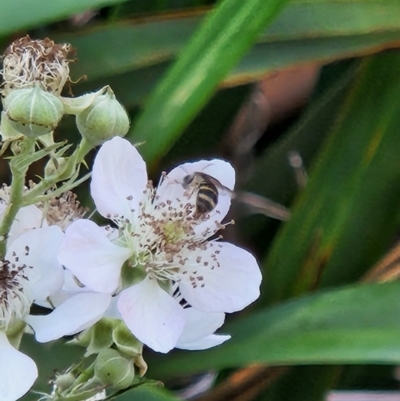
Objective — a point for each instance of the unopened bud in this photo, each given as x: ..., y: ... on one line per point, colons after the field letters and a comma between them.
x: 113, y: 369
x: 33, y: 111
x: 64, y: 381
x: 125, y: 341
x: 96, y: 338
x: 103, y: 119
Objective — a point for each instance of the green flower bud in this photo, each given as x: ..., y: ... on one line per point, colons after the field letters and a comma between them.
x: 96, y: 338
x: 125, y: 341
x: 33, y: 111
x: 113, y: 369
x: 64, y: 381
x: 103, y: 119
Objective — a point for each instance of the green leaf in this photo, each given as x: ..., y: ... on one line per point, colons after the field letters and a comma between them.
x: 50, y: 357
x: 272, y: 175
x: 21, y: 14
x: 145, y: 393
x: 348, y: 213
x: 317, y: 30
x: 222, y: 39
x: 359, y: 324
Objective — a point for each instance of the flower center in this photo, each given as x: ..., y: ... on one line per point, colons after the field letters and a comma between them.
x: 14, y: 301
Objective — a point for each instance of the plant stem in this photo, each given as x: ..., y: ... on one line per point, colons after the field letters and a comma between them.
x: 18, y: 170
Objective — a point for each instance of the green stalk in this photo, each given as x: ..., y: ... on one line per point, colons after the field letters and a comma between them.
x: 36, y: 194
x: 18, y: 170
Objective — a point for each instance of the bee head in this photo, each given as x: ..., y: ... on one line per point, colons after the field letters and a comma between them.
x: 187, y: 180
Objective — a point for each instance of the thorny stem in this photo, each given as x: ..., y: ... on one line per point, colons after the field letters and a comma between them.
x: 37, y: 192
x: 16, y: 194
x: 83, y: 149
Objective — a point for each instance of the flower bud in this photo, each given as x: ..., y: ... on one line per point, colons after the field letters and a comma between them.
x: 103, y: 119
x: 64, y: 381
x: 125, y: 341
x: 113, y: 369
x: 96, y: 338
x: 33, y: 111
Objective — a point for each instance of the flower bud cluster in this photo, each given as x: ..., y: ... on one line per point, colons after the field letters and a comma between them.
x: 34, y: 74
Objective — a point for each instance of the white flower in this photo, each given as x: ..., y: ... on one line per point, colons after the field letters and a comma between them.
x: 30, y: 271
x: 60, y: 211
x: 158, y: 260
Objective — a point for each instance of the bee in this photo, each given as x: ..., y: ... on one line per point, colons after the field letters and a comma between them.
x: 207, y: 191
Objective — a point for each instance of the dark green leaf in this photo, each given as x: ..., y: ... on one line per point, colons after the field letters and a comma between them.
x: 21, y: 14
x: 146, y: 393
x: 354, y: 325
x: 348, y: 213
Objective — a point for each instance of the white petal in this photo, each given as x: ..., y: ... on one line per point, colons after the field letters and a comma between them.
x: 199, y: 324
x: 18, y: 372
x: 219, y: 169
x: 92, y: 257
x: 70, y: 288
x: 119, y: 178
x: 74, y: 315
x: 226, y: 279
x: 172, y: 190
x: 206, y: 342
x: 113, y: 312
x: 37, y: 249
x: 27, y: 218
x: 152, y: 315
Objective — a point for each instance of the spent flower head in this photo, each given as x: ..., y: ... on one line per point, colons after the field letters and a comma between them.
x: 28, y: 62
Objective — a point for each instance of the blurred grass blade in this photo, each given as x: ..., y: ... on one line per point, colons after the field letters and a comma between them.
x: 348, y: 213
x: 301, y: 28
x: 359, y: 324
x: 222, y: 39
x: 22, y: 14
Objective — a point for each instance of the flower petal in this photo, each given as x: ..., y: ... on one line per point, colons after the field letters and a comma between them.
x: 199, y: 326
x: 119, y: 178
x: 74, y: 315
x: 152, y: 315
x: 18, y: 372
x: 27, y: 218
x: 204, y: 343
x: 92, y: 257
x: 37, y: 249
x: 219, y: 169
x: 220, y: 277
x: 172, y: 193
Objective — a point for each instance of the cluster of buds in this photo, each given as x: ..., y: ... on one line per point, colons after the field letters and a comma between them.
x: 35, y: 73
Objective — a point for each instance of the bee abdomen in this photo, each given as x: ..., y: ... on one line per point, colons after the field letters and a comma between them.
x: 207, y: 198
